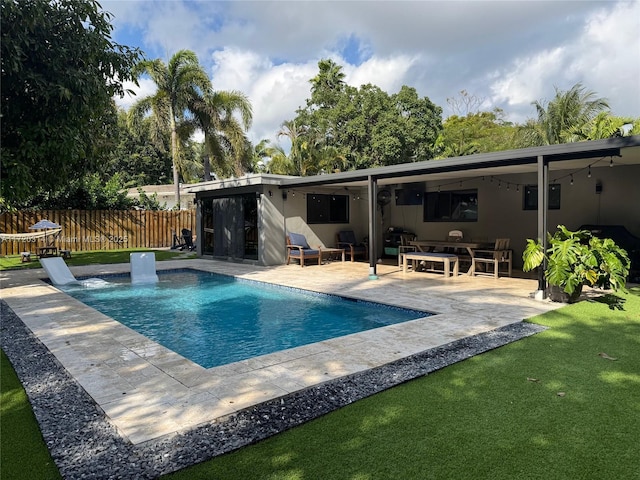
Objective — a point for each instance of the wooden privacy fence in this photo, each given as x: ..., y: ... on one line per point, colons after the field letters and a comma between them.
x: 98, y: 229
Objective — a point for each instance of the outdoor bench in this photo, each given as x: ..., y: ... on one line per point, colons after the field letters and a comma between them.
x: 446, y: 258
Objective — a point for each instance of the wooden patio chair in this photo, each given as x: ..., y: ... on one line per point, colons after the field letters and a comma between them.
x: 499, y: 255
x: 299, y: 249
x: 347, y: 239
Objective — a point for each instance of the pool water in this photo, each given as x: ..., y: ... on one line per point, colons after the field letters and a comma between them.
x: 215, y: 319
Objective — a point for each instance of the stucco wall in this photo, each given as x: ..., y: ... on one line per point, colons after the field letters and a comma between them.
x: 501, y: 213
x: 281, y: 216
x: 271, y: 228
x: 500, y: 210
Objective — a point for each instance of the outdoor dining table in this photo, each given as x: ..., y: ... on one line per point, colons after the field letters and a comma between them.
x: 430, y: 245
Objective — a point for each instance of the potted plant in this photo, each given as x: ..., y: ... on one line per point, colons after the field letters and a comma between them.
x: 575, y: 259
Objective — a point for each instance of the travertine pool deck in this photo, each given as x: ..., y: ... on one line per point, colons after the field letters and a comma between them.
x: 148, y: 391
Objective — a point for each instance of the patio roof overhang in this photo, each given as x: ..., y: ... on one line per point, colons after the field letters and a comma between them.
x: 624, y: 151
x: 539, y: 160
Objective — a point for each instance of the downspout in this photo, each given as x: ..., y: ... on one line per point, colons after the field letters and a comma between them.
x: 543, y: 202
x: 373, y: 192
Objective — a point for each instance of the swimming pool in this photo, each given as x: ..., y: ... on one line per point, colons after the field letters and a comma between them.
x: 215, y: 319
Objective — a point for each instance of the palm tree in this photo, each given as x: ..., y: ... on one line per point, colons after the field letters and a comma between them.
x: 279, y: 162
x: 178, y: 84
x: 261, y: 151
x: 603, y: 125
x: 567, y: 113
x: 298, y: 154
x: 215, y: 113
x: 327, y: 84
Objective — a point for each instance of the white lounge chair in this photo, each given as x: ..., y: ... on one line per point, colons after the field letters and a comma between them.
x: 59, y: 274
x: 143, y: 267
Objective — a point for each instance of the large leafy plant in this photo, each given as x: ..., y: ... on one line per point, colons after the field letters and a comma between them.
x: 575, y: 259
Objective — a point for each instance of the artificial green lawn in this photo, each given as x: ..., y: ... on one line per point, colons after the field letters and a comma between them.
x: 561, y: 404
x: 24, y: 453
x: 12, y: 262
x: 551, y: 406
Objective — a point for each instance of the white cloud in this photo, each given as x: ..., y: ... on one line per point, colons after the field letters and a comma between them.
x: 609, y: 56
x: 605, y: 57
x: 387, y: 73
x: 528, y: 79
x: 507, y: 52
x: 275, y: 91
x: 145, y: 87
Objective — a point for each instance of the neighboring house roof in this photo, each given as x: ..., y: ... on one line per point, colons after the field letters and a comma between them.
x: 159, y: 189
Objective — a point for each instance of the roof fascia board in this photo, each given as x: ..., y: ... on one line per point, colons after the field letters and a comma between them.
x: 226, y: 192
x: 247, y: 180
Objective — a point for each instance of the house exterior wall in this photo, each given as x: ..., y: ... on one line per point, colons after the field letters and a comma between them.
x: 500, y: 210
x: 280, y: 216
x: 323, y: 234
x: 271, y: 227
x: 501, y: 213
x: 166, y: 196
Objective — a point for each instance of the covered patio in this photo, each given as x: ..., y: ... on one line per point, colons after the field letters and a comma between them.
x: 516, y: 195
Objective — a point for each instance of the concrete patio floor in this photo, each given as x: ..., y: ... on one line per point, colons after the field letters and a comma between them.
x: 148, y: 391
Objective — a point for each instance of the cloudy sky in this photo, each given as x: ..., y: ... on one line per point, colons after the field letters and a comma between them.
x: 506, y: 53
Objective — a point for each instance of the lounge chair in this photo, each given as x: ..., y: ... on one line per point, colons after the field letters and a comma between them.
x: 499, y: 255
x: 347, y: 239
x: 298, y: 248
x: 59, y: 274
x: 143, y: 267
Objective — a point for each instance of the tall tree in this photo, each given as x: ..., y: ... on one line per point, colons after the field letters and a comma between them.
x: 297, y: 161
x: 569, y: 111
x: 178, y: 83
x: 327, y: 84
x: 465, y: 104
x: 480, y: 132
x: 141, y: 155
x: 260, y: 154
x: 60, y: 71
x: 352, y: 128
x: 603, y: 125
x: 224, y: 135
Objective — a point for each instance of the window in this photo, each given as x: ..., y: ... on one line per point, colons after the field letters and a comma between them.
x: 530, y: 197
x: 327, y: 208
x: 410, y: 194
x: 459, y: 206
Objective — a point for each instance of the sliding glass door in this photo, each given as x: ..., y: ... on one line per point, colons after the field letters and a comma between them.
x: 230, y: 226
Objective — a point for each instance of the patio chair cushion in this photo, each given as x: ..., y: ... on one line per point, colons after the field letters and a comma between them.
x: 299, y: 240
x: 308, y: 252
